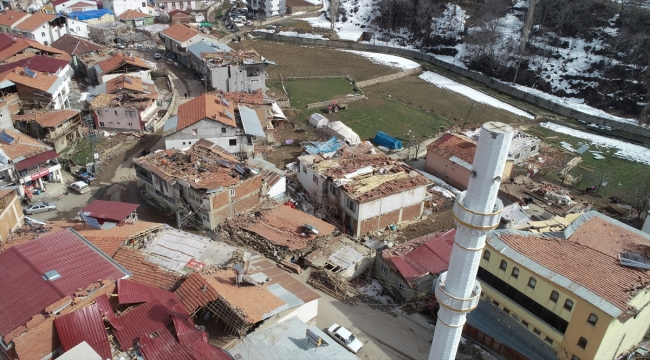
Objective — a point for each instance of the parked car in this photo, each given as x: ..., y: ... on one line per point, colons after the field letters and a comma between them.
x: 84, y: 176
x: 80, y: 187
x: 198, y: 76
x: 344, y: 337
x: 39, y: 207
x: 157, y: 56
x: 120, y: 46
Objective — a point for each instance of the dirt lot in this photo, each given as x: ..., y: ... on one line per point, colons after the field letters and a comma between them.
x: 297, y: 60
x: 420, y: 94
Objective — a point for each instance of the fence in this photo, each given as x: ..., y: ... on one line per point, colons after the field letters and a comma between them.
x: 391, y: 77
x: 319, y: 77
x: 507, y: 352
x: 478, y: 77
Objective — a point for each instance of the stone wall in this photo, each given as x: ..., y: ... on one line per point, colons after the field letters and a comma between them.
x: 478, y: 77
x: 391, y: 77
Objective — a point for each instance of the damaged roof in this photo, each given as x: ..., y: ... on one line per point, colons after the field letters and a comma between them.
x: 204, y: 166
x: 146, y: 272
x: 110, y: 210
x: 47, y: 119
x: 425, y: 255
x: 119, y: 60
x: 583, y: 258
x: 450, y: 145
x: 23, y: 147
x: 75, y: 46
x: 23, y: 269
x: 283, y: 226
x: 84, y: 325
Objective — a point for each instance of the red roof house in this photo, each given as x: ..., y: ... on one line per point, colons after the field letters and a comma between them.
x: 43, y: 278
x: 112, y: 211
x: 409, y: 269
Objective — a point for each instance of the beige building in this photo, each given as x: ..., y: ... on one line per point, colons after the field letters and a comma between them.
x: 450, y: 159
x: 11, y: 213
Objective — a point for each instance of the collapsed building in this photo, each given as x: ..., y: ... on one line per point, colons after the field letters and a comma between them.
x: 363, y: 188
x: 125, y: 103
x: 236, y: 70
x: 204, y: 184
x: 281, y: 233
x: 342, y: 256
x: 253, y: 293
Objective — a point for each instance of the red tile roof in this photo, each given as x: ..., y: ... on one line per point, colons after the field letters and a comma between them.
x: 132, y: 14
x: 11, y: 45
x: 180, y: 32
x: 84, y: 324
x: 47, y: 119
x: 431, y: 257
x: 449, y: 145
x: 146, y: 272
x: 24, y: 146
x: 192, y: 295
x: 109, y: 210
x: 34, y: 22
x: 589, y: 258
x: 41, y: 63
x: 35, y: 160
x: 10, y: 17
x: 118, y: 60
x: 22, y: 268
x: 75, y: 46
x: 205, y: 106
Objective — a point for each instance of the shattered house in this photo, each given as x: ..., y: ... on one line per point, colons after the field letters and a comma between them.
x: 342, y: 256
x: 363, y: 188
x: 280, y: 233
x: 254, y: 292
x: 204, y: 181
x: 125, y: 103
x: 236, y: 70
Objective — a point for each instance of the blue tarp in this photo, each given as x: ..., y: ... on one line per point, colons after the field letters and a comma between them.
x: 329, y: 146
x: 388, y: 141
x: 90, y: 14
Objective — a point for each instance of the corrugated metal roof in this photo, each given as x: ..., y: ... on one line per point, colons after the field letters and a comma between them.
x: 250, y: 121
x: 170, y: 124
x: 22, y: 267
x: 106, y: 309
x: 84, y: 324
x: 186, y: 332
x: 110, y: 210
x: 290, y: 300
x: 35, y: 160
x: 432, y: 257
x: 204, y: 47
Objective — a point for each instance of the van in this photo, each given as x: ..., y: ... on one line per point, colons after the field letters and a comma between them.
x: 80, y: 187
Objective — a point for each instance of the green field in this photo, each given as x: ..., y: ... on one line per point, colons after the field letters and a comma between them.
x: 624, y: 172
x: 303, y: 92
x: 366, y: 117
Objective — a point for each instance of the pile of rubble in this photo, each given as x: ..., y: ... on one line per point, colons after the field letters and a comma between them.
x: 333, y: 285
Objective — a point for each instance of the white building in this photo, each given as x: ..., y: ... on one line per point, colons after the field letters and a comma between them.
x: 44, y: 28
x: 120, y: 6
x: 78, y: 22
x: 10, y: 18
x: 177, y: 38
x: 263, y: 9
x: 367, y: 189
x: 217, y: 120
x: 169, y: 5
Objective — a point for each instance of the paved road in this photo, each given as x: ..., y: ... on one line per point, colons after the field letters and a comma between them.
x: 385, y: 334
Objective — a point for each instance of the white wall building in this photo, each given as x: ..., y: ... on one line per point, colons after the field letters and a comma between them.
x: 120, y: 6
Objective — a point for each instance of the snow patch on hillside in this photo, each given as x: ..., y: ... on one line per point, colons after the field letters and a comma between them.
x: 625, y: 150
x: 386, y: 60
x: 445, y: 83
x: 304, y: 35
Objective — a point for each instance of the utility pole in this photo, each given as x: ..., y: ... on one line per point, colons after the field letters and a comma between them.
x: 477, y: 212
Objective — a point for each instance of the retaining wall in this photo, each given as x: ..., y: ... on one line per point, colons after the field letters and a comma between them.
x: 478, y: 77
x: 345, y: 100
x: 391, y: 77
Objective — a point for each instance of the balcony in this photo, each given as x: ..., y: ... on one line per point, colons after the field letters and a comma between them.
x: 65, y: 128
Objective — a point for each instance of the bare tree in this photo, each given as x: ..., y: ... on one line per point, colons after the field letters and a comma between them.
x: 601, y: 177
x: 639, y: 196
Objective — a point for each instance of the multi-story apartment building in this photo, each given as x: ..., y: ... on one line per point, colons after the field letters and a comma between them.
x: 204, y: 182
x: 584, y: 290
x: 267, y: 8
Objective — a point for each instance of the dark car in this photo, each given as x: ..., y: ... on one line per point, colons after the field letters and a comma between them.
x: 198, y: 76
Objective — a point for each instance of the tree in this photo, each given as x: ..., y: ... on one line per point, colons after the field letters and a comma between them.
x: 414, y: 143
x: 639, y: 196
x: 601, y: 177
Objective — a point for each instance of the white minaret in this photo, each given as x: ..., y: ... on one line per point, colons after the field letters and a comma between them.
x: 477, y: 212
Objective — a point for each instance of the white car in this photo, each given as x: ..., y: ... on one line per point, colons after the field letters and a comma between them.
x: 344, y: 337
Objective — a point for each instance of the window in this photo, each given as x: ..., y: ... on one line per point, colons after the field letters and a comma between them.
x: 532, y: 282
x: 537, y: 332
x: 517, y: 156
x: 495, y: 303
x: 43, y: 34
x: 232, y: 192
x: 195, y: 132
x: 383, y: 269
x: 582, y: 342
x: 173, y: 4
x: 45, y: 43
x: 1, y: 114
x: 315, y: 179
x: 78, y: 29
x: 554, y: 296
x: 507, y: 311
x: 232, y: 142
x: 144, y: 4
x: 130, y: 124
x: 575, y: 357
x: 183, y: 142
x: 549, y: 340
x: 115, y: 112
x: 515, y: 272
x: 101, y: 124
x: 568, y: 304
x: 504, y: 265
x: 304, y: 168
x: 400, y: 286
x: 486, y: 255
x: 533, y: 148
x: 524, y: 323
x: 189, y: 4
x: 352, y: 205
x: 593, y: 319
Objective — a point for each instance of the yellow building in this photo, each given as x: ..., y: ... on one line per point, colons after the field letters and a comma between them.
x: 569, y: 287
